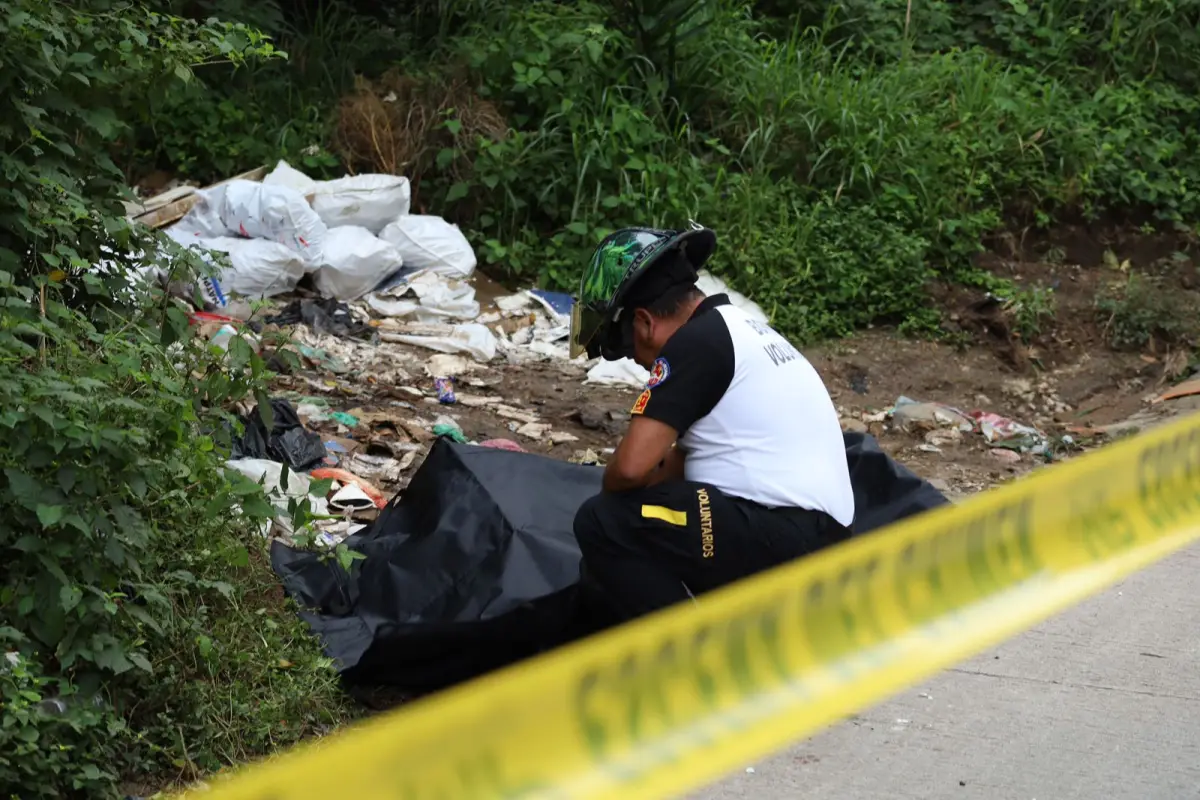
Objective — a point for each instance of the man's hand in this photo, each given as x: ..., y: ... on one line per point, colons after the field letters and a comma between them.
x: 636, y: 462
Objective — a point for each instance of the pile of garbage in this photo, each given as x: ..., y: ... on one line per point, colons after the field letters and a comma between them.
x: 350, y: 235
x: 379, y: 308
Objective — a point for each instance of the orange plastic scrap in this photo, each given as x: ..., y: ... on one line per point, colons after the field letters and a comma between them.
x: 342, y: 476
x: 1180, y: 390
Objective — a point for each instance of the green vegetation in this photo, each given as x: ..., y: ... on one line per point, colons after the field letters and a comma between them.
x: 845, y: 152
x: 1139, y: 312
x: 141, y: 631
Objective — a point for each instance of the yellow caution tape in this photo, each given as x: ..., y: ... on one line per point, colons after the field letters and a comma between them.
x: 676, y: 700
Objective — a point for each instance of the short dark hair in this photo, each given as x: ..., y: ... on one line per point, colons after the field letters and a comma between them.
x: 670, y: 302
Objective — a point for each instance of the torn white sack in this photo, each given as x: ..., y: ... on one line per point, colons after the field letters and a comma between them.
x: 203, y: 220
x: 258, y: 211
x: 285, y: 174
x: 257, y: 267
x: 355, y: 262
x: 429, y: 242
x: 368, y: 201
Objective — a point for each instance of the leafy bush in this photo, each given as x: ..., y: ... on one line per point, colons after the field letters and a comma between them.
x: 821, y: 269
x: 126, y: 648
x: 1140, y: 312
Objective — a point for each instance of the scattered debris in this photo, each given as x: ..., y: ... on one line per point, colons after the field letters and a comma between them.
x: 444, y: 387
x: 851, y: 425
x: 598, y: 419
x: 586, y: 457
x: 450, y: 430
x: 1006, y: 456
x: 349, y: 420
x: 912, y: 415
x: 943, y: 436
x: 345, y: 477
x: 503, y: 444
x: 1185, y: 389
x: 1003, y: 432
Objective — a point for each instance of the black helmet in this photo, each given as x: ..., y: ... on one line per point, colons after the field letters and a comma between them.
x: 618, y: 263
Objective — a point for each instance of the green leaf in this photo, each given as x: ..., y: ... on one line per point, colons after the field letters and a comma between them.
x: 242, y: 486
x: 320, y: 488
x: 578, y: 228
x: 458, y: 191
x: 66, y: 478
x: 141, y: 662
x: 239, y: 557
x: 69, y: 597
x: 265, y: 411
x: 49, y: 515
x: 112, y: 658
x: 142, y: 616
x: 258, y: 508
x: 22, y: 485
x: 205, y: 645
x: 28, y: 543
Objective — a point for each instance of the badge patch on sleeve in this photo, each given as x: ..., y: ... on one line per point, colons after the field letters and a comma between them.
x: 659, y: 372
x: 640, y: 404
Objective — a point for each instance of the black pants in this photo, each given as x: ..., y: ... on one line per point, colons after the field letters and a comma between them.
x: 650, y: 548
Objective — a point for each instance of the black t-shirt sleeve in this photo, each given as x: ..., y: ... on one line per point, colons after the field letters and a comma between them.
x: 691, y: 374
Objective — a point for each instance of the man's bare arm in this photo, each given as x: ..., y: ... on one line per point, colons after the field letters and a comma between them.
x: 671, y: 468
x: 636, y: 463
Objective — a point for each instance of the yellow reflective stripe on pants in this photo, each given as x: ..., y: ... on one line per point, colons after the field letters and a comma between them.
x: 667, y: 515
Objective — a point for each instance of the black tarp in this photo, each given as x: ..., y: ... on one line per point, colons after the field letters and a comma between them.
x: 474, y: 566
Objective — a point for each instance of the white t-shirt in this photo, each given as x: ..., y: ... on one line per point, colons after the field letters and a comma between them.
x: 754, y: 418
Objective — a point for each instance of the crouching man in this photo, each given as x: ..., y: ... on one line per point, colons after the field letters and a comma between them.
x: 733, y: 462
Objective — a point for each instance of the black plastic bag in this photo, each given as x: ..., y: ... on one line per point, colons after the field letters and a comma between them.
x: 288, y: 441
x: 475, y: 566
x: 327, y: 316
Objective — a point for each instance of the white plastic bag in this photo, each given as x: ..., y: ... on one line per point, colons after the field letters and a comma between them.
x: 355, y: 262
x: 259, y: 211
x: 203, y: 220
x: 427, y: 297
x: 285, y: 174
x: 622, y: 372
x: 269, y: 474
x: 258, y: 267
x: 429, y: 242
x: 368, y: 201
x: 470, y: 338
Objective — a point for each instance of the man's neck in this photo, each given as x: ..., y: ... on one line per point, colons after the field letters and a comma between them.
x: 688, y: 309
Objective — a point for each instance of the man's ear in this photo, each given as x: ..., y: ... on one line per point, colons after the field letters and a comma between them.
x: 644, y: 319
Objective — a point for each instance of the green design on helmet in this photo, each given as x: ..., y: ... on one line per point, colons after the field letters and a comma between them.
x: 620, y: 259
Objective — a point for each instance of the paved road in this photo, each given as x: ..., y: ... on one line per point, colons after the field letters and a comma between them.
x: 1099, y: 703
